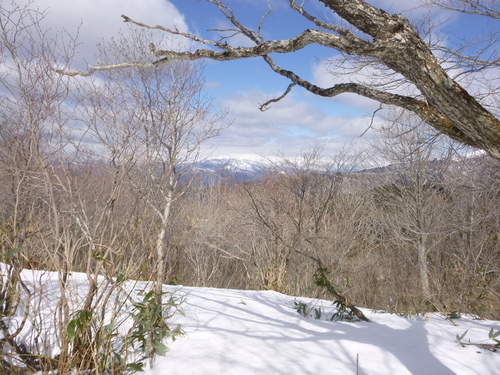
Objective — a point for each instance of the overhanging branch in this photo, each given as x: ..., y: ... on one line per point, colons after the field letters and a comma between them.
x: 228, y: 53
x: 419, y: 107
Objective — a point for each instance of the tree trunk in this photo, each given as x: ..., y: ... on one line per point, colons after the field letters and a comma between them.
x: 422, y: 266
x: 160, y: 245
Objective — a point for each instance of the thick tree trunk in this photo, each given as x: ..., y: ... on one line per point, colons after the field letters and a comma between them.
x: 450, y: 108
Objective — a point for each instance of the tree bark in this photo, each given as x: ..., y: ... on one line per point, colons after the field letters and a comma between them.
x: 422, y: 266
x: 160, y: 240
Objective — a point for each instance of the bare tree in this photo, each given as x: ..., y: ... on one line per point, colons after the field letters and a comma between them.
x: 152, y: 124
x: 470, y: 261
x: 295, y: 213
x: 386, y: 40
x: 55, y: 202
x: 412, y: 201
x: 212, y: 244
x: 33, y: 153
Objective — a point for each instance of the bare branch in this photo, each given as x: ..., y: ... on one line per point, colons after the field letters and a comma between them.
x: 302, y: 40
x: 473, y: 7
x: 472, y: 61
x: 173, y: 32
x: 372, y: 120
x: 229, y: 14
x: 97, y: 68
x: 327, y: 26
x: 261, y: 23
x: 265, y: 106
x: 421, y: 108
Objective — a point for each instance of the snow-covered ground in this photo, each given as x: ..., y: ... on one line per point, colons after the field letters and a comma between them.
x: 260, y: 332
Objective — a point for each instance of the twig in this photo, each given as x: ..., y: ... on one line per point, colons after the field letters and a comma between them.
x: 265, y: 106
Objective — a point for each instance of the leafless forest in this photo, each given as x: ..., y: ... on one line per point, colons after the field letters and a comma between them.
x: 416, y: 236
x: 97, y: 177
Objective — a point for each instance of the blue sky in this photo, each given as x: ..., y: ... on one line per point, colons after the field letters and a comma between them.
x: 291, y: 126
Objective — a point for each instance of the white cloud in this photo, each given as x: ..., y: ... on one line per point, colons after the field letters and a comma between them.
x: 289, y: 126
x: 100, y: 20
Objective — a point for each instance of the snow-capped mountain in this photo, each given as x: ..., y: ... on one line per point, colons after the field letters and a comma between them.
x: 251, y: 170
x: 231, y: 168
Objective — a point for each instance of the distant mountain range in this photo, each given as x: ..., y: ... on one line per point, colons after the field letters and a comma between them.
x: 217, y: 169
x: 230, y: 168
